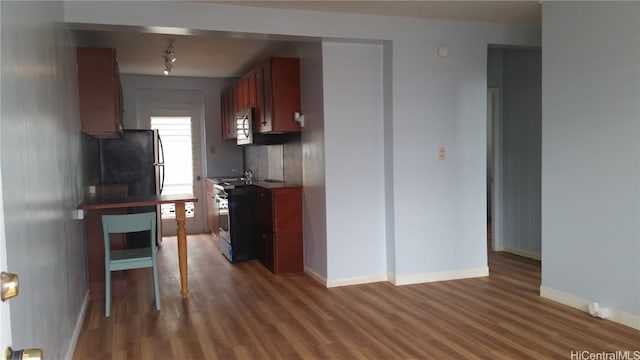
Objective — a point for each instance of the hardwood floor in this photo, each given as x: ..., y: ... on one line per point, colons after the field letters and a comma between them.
x: 242, y: 311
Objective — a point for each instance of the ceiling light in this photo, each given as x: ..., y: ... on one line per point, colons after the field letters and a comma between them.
x: 169, y: 59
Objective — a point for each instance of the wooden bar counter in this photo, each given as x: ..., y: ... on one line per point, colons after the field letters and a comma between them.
x: 113, y: 201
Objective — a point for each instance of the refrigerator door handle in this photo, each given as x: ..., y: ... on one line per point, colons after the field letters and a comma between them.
x: 161, y: 167
x: 161, y: 159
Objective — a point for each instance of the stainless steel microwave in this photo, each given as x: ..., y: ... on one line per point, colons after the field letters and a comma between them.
x: 244, y: 126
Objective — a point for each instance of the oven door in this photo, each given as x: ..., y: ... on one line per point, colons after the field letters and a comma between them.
x: 224, y: 236
x: 222, y: 202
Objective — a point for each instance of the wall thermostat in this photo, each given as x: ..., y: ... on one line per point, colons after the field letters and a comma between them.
x: 443, y: 51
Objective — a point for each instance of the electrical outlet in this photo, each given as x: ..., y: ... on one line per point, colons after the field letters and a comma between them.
x: 77, y: 214
x: 212, y: 149
x: 442, y: 153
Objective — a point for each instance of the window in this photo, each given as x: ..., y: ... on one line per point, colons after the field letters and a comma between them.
x: 175, y: 133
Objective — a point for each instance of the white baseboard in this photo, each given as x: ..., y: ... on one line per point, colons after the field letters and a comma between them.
x: 344, y: 282
x: 440, y: 276
x: 519, y: 252
x: 401, y: 279
x: 579, y: 303
x: 319, y: 278
x: 78, y: 328
x: 356, y: 280
x: 391, y: 278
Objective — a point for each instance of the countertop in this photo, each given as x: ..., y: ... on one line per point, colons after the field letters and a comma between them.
x: 110, y: 202
x: 268, y: 184
x: 275, y: 185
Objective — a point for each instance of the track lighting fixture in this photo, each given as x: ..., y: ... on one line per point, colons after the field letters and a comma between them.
x: 169, y: 59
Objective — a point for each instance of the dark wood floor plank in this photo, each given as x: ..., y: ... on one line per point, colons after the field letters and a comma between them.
x: 242, y: 311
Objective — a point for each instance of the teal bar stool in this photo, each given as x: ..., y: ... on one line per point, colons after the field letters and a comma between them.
x: 115, y: 260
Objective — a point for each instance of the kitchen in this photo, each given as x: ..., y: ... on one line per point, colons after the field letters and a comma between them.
x: 272, y: 97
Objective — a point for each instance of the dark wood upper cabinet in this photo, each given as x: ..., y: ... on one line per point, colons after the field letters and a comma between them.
x: 278, y: 96
x: 228, y: 110
x: 245, y: 92
x: 272, y: 90
x: 100, y: 92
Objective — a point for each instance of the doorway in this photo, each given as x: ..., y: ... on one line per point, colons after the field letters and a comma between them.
x: 494, y: 169
x: 181, y: 135
x: 514, y: 149
x: 177, y: 160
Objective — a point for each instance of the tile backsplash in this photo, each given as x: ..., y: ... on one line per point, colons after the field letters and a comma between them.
x: 281, y: 162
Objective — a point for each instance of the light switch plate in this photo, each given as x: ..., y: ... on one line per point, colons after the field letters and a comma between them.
x: 442, y: 153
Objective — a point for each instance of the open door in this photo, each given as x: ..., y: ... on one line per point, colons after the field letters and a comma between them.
x: 5, y: 314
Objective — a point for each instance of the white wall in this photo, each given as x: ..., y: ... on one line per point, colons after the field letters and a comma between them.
x: 185, y: 92
x: 439, y: 207
x: 40, y: 147
x: 389, y: 199
x: 354, y: 161
x: 591, y: 152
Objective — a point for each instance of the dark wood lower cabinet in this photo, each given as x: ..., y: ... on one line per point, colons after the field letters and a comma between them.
x: 280, y: 228
x: 95, y: 254
x: 265, y: 249
x: 287, y: 252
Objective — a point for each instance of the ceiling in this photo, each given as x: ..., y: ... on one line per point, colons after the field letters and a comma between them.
x: 221, y: 55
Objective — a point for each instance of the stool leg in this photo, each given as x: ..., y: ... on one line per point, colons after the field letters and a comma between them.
x: 107, y: 292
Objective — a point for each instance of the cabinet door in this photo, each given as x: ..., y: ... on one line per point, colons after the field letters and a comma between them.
x: 227, y: 120
x: 99, y: 91
x: 231, y: 118
x: 251, y: 89
x: 95, y: 255
x: 237, y: 95
x: 285, y: 97
x: 224, y: 112
x: 267, y: 99
x: 242, y: 94
x: 264, y: 208
x: 287, y: 209
x: 287, y: 252
x: 258, y: 111
x: 265, y: 248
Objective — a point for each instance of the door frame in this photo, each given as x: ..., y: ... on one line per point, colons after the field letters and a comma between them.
x: 197, y: 224
x: 494, y: 124
x: 5, y: 307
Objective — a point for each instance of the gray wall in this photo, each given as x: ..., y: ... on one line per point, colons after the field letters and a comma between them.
x: 40, y: 155
x: 186, y: 92
x: 313, y: 158
x: 591, y: 152
x: 517, y: 73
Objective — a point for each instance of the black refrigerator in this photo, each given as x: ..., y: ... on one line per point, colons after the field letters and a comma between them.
x: 137, y: 160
